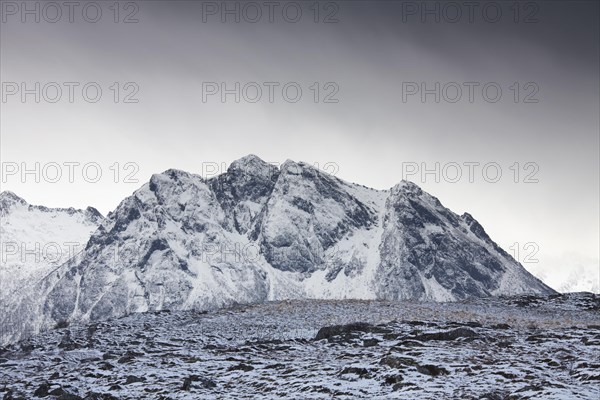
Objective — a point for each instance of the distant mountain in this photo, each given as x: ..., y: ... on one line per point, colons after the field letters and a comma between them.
x: 37, y: 239
x: 258, y: 233
x: 34, y: 241
x: 574, y: 276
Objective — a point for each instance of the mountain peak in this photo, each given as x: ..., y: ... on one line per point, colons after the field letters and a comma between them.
x: 175, y: 174
x: 94, y: 214
x: 252, y: 165
x: 297, y: 168
x: 290, y: 166
x: 249, y: 160
x: 9, y: 199
x: 407, y: 187
x: 7, y: 194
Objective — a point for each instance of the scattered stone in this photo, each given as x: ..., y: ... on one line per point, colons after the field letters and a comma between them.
x: 397, y: 362
x: 106, y: 366
x: 393, y: 379
x: 409, y: 343
x: 432, y: 370
x: 128, y: 357
x: 346, y: 331
x: 69, y: 396
x: 494, y: 396
x: 370, y: 342
x: 67, y: 343
x: 27, y: 347
x: 187, y: 384
x: 134, y: 379
x: 241, y: 367
x: 62, y: 324
x: 360, y: 372
x: 62, y: 394
x: 100, y: 396
x: 447, y: 335
x: 506, y: 375
x: 42, y: 390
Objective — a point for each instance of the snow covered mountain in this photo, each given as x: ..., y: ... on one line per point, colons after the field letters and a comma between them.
x: 258, y: 233
x: 34, y: 241
x: 575, y: 276
x: 37, y: 239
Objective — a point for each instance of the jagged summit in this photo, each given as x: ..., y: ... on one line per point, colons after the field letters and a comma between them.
x: 407, y: 186
x: 7, y: 194
x: 249, y: 163
x: 9, y: 199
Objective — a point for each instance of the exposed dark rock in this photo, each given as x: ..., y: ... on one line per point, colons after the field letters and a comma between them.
x: 447, y: 335
x: 241, y: 367
x: 69, y: 396
x: 67, y: 343
x: 128, y: 357
x: 398, y: 362
x: 187, y: 384
x: 432, y: 370
x: 393, y: 379
x: 495, y: 396
x: 345, y: 332
x: 42, y: 390
x: 100, y: 396
x: 61, y: 324
x: 203, y: 382
x: 134, y: 379
x: 361, y: 372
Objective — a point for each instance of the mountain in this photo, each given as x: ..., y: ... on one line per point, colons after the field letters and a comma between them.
x: 258, y: 233
x: 575, y: 275
x: 37, y: 239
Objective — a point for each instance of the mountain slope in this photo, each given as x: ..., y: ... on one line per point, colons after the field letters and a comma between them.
x: 261, y: 233
x: 164, y: 247
x: 428, y: 252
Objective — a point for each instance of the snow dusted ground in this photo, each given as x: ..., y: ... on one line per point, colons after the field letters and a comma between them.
x: 500, y: 348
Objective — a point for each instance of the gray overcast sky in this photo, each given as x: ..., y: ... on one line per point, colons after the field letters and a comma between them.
x: 549, y: 48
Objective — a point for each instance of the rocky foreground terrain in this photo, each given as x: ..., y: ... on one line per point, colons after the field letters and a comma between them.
x: 522, y: 347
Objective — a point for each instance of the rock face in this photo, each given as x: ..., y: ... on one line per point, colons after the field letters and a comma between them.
x: 244, y: 190
x: 258, y: 233
x: 308, y: 213
x: 165, y: 247
x: 428, y: 252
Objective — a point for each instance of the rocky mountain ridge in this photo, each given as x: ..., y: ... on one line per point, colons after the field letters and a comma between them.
x: 259, y: 233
